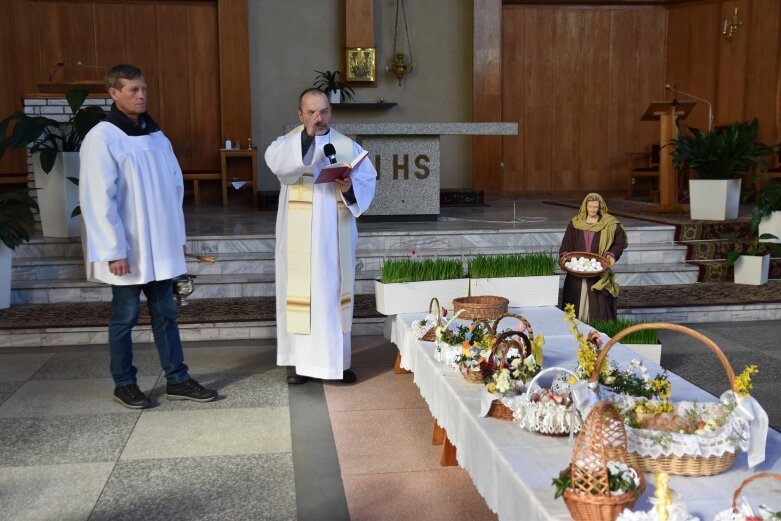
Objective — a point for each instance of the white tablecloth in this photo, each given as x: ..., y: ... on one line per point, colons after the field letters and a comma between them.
x: 513, y: 469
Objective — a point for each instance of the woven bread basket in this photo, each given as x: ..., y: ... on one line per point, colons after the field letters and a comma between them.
x: 551, y: 419
x: 498, y: 408
x: 481, y: 307
x: 584, y: 274
x: 686, y: 465
x: 431, y: 334
x: 602, y: 439
x: 474, y: 376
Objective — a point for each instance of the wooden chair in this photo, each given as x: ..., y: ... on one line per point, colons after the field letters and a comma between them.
x: 644, y: 165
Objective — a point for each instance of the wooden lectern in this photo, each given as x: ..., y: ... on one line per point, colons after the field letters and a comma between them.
x: 668, y: 113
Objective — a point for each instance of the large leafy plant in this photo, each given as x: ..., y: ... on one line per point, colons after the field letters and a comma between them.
x: 49, y: 136
x: 723, y: 153
x: 328, y: 81
x: 768, y: 201
x: 16, y: 217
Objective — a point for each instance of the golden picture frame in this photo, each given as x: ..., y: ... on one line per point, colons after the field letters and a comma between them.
x: 361, y: 64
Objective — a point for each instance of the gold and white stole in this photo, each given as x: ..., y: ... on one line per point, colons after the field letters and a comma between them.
x: 299, y: 248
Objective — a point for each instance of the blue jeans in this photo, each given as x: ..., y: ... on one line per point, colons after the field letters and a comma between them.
x: 124, y: 315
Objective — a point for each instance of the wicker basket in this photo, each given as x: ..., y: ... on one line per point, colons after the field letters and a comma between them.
x: 498, y: 408
x: 543, y: 418
x: 727, y: 514
x: 431, y: 334
x: 584, y: 274
x: 602, y: 439
x: 687, y: 465
x: 481, y: 307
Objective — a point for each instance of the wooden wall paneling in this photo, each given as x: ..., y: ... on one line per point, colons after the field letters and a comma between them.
x: 204, y: 84
x: 703, y: 62
x: 235, y: 103
x: 732, y: 67
x: 68, y: 35
x: 176, y: 101
x: 487, y: 89
x: 594, y: 151
x: 650, y: 73
x: 678, y: 46
x: 692, y: 56
x: 19, y: 68
x: 621, y: 110
x: 111, y: 35
x: 143, y: 50
x: 567, y: 86
x: 513, y: 94
x: 359, y: 23
x: 762, y: 23
x: 539, y: 99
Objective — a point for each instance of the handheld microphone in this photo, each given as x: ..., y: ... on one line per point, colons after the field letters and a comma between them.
x: 57, y: 66
x: 330, y: 152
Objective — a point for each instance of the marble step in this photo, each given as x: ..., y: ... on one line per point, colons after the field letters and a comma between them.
x: 254, y: 284
x: 81, y: 336
x: 433, y: 241
x: 79, y: 290
x: 62, y: 268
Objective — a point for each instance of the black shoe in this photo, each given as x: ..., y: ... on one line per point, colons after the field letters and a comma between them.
x: 131, y: 397
x: 348, y: 376
x: 189, y: 390
x: 297, y: 379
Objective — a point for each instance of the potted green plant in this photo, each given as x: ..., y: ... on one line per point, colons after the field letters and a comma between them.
x: 16, y: 217
x: 524, y: 279
x: 328, y: 82
x: 752, y: 266
x: 766, y: 214
x: 719, y: 158
x: 54, y: 146
x: 644, y: 342
x: 407, y: 285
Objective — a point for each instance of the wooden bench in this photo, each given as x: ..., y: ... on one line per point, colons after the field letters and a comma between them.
x: 196, y: 178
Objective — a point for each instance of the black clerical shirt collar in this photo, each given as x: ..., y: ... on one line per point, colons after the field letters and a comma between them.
x: 146, y: 125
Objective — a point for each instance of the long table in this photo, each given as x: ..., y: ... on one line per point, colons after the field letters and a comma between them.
x: 513, y: 469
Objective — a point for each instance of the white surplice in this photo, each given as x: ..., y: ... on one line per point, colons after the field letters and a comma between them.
x: 131, y: 191
x: 326, y: 352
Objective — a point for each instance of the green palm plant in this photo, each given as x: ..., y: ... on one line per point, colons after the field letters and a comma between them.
x: 723, y: 153
x: 48, y: 136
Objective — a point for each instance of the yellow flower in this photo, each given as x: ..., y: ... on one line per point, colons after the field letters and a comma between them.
x: 537, y: 344
x: 491, y: 388
x: 743, y: 384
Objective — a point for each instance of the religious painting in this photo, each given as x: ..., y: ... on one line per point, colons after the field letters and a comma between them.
x: 361, y: 64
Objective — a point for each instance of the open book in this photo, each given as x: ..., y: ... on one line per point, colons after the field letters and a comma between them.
x: 340, y: 170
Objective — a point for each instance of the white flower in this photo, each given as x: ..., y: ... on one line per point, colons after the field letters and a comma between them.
x: 530, y: 362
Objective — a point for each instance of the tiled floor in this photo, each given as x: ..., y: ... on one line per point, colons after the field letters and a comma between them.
x: 68, y: 452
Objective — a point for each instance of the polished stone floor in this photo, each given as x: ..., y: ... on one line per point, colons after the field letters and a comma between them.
x: 500, y: 213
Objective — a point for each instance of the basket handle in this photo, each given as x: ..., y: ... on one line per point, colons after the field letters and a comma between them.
x: 476, y: 323
x: 672, y: 327
x: 501, y: 338
x: 547, y: 370
x: 749, y: 480
x: 526, y: 323
x: 439, y: 308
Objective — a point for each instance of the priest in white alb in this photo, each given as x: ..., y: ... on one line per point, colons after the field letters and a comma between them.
x: 316, y: 237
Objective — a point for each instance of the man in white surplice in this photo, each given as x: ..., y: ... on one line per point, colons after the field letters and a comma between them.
x: 316, y: 237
